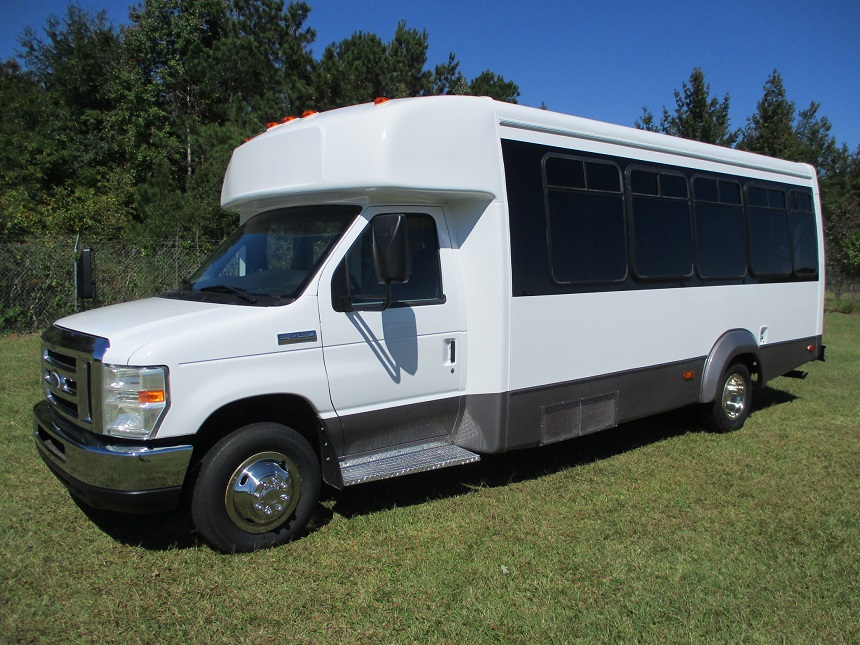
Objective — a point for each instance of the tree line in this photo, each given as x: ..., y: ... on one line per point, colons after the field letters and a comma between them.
x: 127, y: 131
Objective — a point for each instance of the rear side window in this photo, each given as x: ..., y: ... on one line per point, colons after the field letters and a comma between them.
x: 767, y: 223
x: 804, y: 238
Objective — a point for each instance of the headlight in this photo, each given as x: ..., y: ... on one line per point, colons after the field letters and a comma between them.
x: 134, y: 399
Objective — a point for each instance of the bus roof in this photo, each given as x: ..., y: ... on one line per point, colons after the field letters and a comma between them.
x: 429, y: 149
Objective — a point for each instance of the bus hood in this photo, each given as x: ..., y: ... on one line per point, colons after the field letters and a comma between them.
x: 163, y: 331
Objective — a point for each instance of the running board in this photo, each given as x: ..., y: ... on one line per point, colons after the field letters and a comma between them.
x: 403, y: 461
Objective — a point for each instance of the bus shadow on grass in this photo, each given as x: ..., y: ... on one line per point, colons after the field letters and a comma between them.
x: 174, y: 530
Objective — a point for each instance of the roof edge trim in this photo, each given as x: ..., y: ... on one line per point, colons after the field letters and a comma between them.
x: 628, y: 143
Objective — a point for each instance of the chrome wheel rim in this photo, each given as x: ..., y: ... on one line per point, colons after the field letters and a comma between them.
x: 734, y: 396
x: 263, y: 492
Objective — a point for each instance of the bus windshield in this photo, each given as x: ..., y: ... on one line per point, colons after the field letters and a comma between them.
x: 271, y: 258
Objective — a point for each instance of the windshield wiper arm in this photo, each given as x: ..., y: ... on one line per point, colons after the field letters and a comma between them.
x: 223, y: 288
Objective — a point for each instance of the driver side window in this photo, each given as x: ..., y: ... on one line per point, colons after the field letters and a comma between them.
x: 356, y: 281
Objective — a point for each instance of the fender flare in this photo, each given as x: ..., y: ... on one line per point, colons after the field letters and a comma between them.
x: 731, y: 344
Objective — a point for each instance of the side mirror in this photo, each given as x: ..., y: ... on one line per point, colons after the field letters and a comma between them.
x: 390, y: 248
x: 84, y: 282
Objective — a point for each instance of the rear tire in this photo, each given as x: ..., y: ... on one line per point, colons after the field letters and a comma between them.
x: 256, y: 488
x: 734, y: 397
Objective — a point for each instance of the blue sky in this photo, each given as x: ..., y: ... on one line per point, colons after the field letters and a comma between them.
x: 602, y: 60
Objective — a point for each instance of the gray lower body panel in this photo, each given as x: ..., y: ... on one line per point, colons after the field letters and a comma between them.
x: 780, y: 358
x: 405, y: 424
x: 493, y: 423
x: 539, y: 416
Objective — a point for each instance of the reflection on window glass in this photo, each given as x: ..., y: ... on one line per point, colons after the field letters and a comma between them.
x: 425, y: 275
x: 274, y: 254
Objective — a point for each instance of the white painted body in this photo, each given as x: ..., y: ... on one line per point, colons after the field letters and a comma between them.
x: 440, y: 156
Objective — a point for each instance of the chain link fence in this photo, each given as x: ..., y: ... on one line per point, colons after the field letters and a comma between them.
x: 37, y: 276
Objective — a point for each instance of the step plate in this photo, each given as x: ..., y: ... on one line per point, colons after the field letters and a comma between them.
x: 404, y: 461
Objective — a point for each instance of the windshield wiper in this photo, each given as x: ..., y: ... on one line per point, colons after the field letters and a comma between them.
x: 223, y: 288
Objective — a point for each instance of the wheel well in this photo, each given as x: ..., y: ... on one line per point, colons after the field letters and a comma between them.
x: 734, y: 346
x: 289, y: 410
x: 751, y: 362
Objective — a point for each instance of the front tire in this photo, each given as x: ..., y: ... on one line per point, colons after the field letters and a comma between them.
x: 734, y: 398
x: 256, y: 488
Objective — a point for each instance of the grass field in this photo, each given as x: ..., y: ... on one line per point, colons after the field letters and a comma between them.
x: 653, y: 532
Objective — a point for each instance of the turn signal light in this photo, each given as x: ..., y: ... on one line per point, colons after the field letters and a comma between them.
x: 379, y: 100
x: 150, y: 396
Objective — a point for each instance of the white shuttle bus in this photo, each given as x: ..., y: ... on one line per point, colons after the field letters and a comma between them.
x: 417, y: 282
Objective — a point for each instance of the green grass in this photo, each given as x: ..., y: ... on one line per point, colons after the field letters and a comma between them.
x: 848, y: 302
x: 652, y: 532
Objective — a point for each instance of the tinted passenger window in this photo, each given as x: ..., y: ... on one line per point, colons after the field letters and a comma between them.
x: 770, y: 255
x: 586, y: 233
x: 804, y: 240
x: 603, y: 177
x: 730, y: 193
x: 562, y: 172
x: 588, y: 242
x: 719, y: 224
x: 644, y: 183
x: 673, y: 186
x: 661, y: 229
x: 705, y: 190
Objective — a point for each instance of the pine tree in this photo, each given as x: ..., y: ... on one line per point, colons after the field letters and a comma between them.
x: 697, y: 115
x: 770, y: 130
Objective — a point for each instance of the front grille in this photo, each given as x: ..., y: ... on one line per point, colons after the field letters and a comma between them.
x: 67, y: 373
x: 63, y: 361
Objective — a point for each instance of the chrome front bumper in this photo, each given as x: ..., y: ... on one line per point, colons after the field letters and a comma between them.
x: 111, y: 476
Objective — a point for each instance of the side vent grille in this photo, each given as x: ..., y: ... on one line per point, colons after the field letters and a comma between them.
x: 576, y: 418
